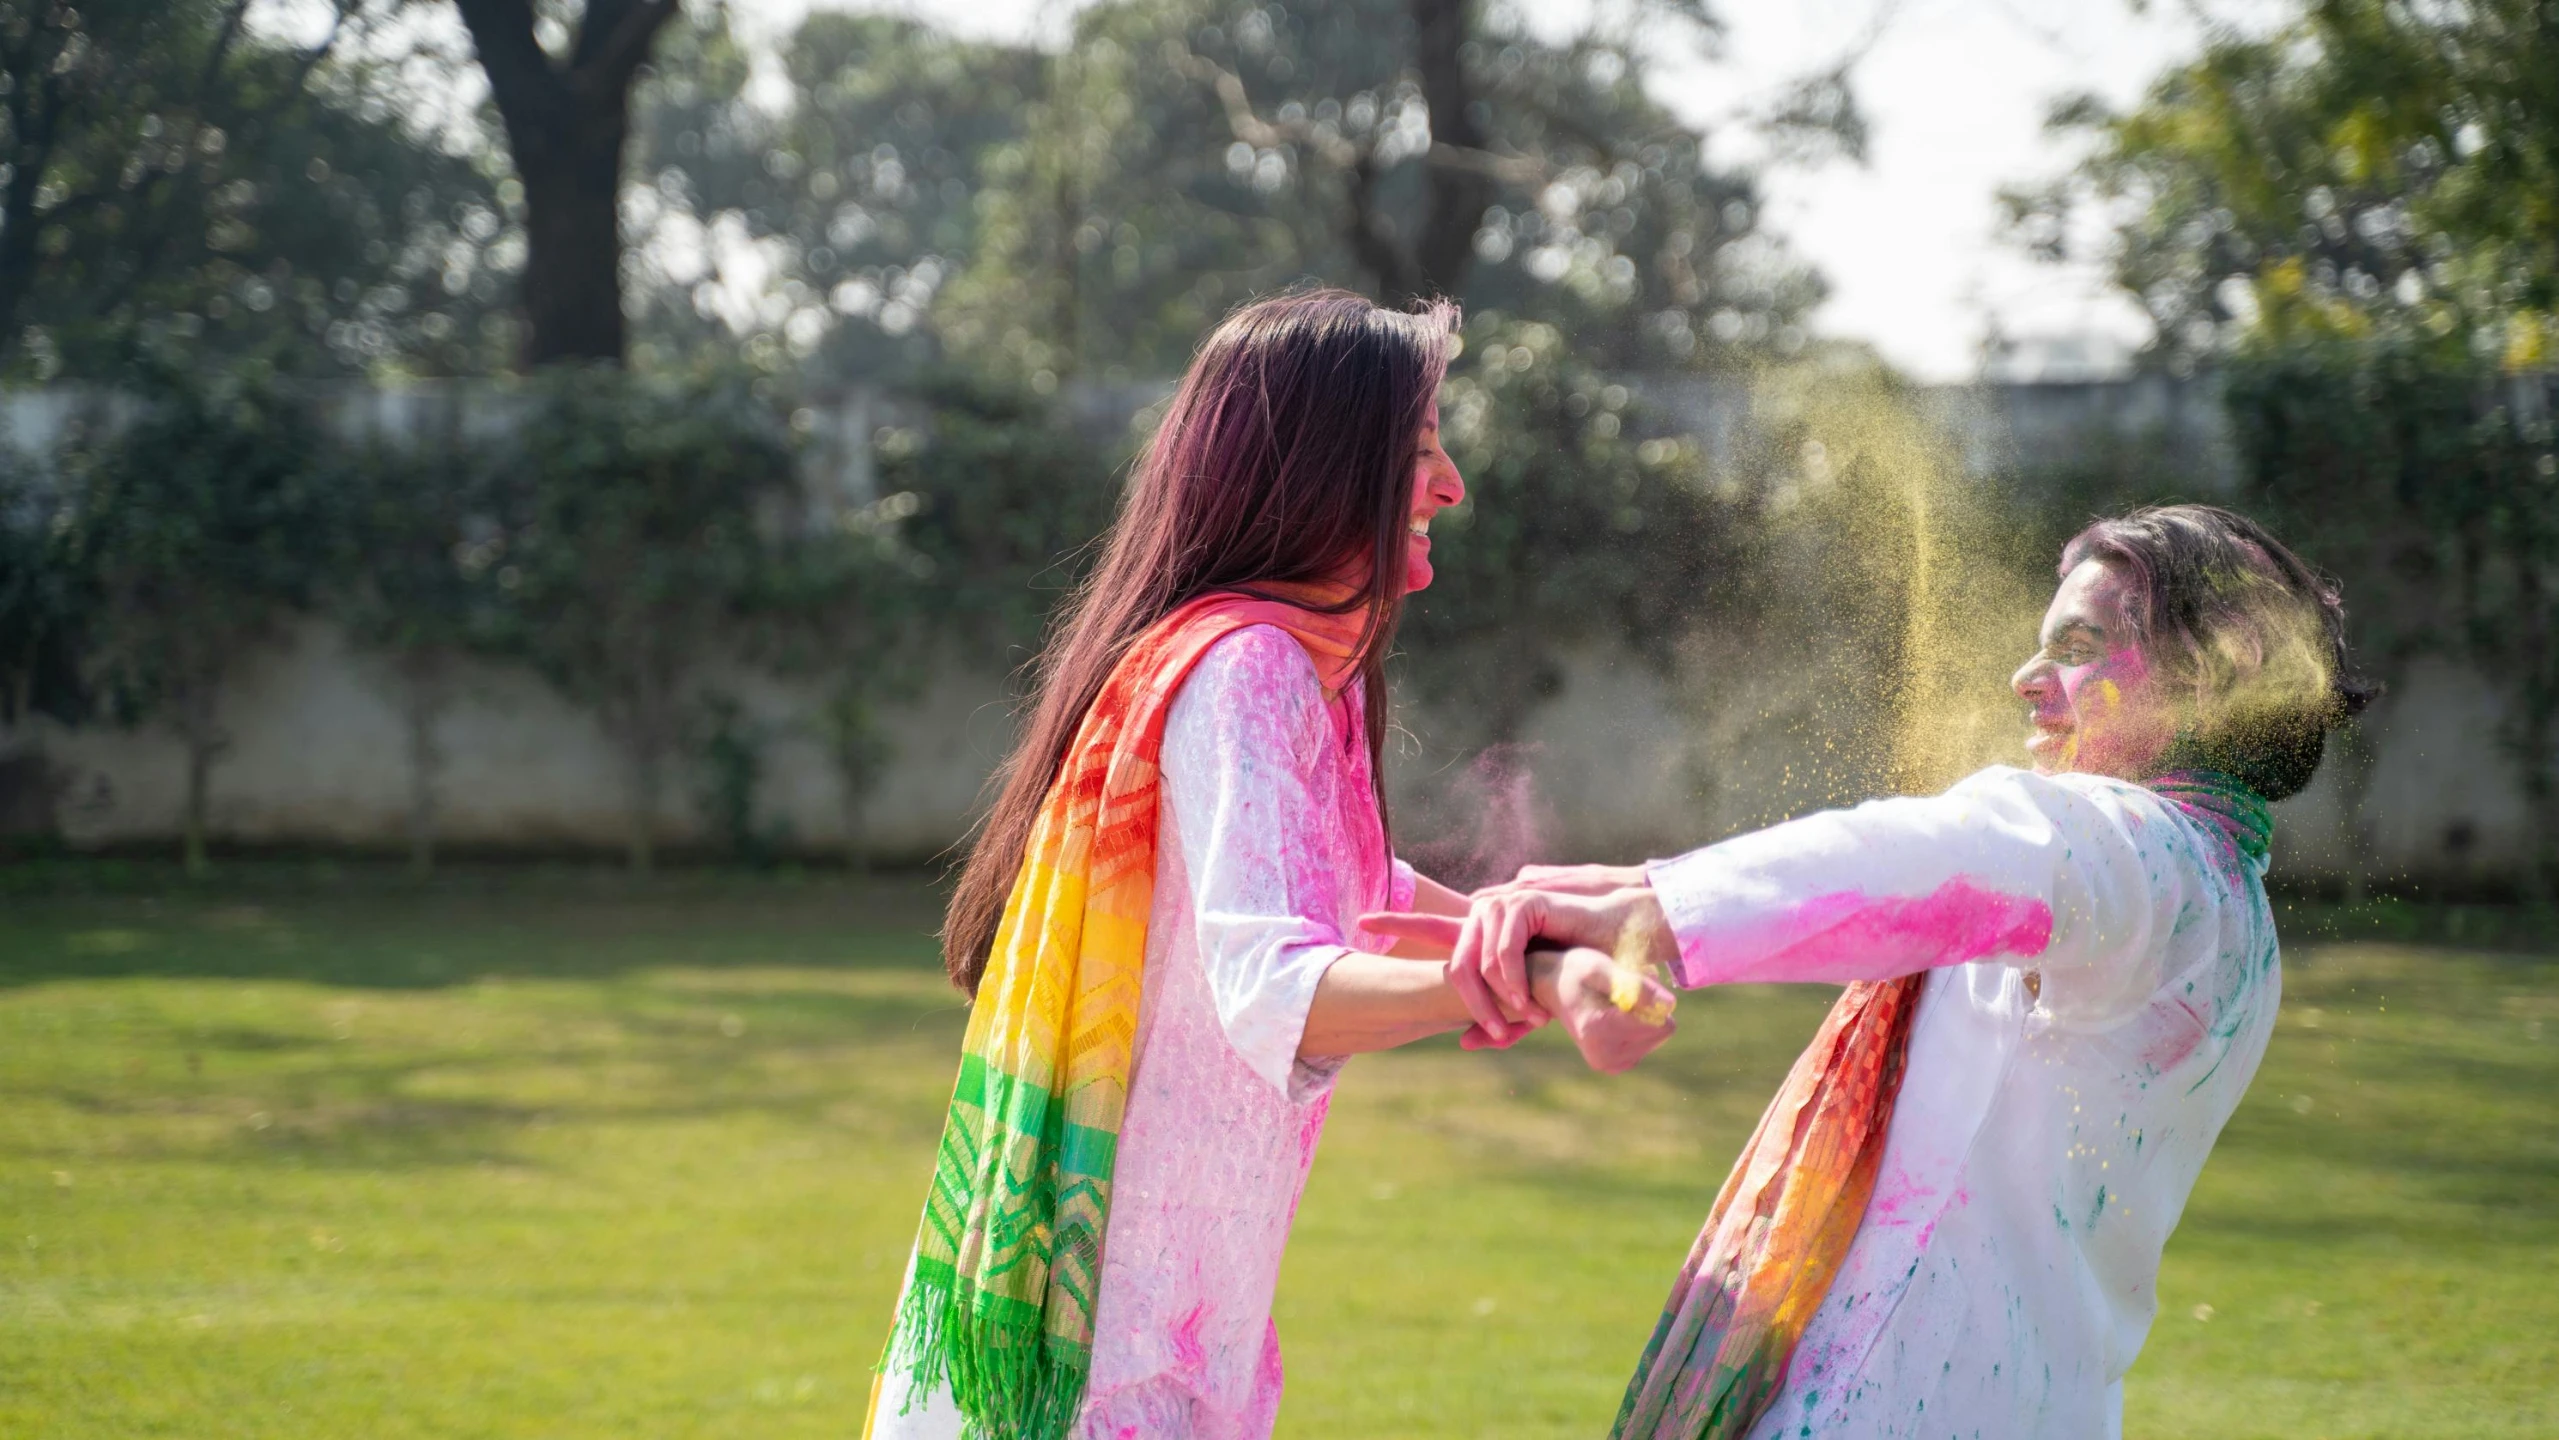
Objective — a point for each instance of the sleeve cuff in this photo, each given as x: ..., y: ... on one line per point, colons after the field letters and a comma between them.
x: 1268, y: 1033
x: 1683, y: 887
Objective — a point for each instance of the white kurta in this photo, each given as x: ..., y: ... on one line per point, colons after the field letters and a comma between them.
x: 2044, y: 1143
x: 1269, y: 849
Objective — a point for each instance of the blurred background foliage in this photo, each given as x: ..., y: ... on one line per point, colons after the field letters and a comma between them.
x: 182, y: 190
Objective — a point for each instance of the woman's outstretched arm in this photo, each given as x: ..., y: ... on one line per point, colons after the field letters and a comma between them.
x: 1377, y: 1002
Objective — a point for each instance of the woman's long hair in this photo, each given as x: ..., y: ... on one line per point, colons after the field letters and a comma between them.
x: 1287, y: 455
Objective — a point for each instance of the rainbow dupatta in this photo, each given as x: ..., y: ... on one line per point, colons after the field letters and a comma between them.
x: 1008, y: 1258
x: 1781, y: 1227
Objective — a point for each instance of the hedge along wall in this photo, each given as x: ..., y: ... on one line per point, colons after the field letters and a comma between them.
x: 1621, y: 755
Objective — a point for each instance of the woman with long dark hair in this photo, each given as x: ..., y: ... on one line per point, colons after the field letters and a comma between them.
x: 1157, y: 922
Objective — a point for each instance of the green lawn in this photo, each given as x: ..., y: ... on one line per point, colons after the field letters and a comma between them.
x: 546, y: 1156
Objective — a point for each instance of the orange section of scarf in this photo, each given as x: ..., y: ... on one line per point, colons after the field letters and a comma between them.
x: 1780, y: 1228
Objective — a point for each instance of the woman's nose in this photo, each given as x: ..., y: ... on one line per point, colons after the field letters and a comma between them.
x: 1447, y: 486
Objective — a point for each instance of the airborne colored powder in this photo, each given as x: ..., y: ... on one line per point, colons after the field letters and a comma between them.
x: 1932, y: 592
x: 1897, y: 580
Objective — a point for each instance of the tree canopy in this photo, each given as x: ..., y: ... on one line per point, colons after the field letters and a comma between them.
x: 178, y: 188
x: 2376, y: 166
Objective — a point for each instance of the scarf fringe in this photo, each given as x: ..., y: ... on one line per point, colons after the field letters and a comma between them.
x: 1006, y: 1377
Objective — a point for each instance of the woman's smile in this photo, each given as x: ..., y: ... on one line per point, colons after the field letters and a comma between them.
x: 1436, y: 486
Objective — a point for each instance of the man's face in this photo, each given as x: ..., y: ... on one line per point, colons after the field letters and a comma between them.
x: 2090, y: 691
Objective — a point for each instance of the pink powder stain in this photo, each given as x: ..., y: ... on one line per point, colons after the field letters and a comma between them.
x: 1893, y: 1197
x: 2172, y: 1034
x: 1956, y: 1201
x: 1850, y: 936
x: 1899, y: 1200
x: 1271, y: 1375
x: 1188, y: 1352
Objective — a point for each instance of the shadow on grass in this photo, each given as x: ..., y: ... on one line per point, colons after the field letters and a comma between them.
x: 374, y: 927
x: 816, y: 1003
x: 639, y: 1058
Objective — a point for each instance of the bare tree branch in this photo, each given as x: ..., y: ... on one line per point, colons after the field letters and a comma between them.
x: 1528, y: 172
x: 1249, y: 127
x: 1367, y: 232
x: 614, y: 41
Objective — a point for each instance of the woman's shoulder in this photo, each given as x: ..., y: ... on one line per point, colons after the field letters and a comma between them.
x: 1258, y: 655
x: 1253, y: 678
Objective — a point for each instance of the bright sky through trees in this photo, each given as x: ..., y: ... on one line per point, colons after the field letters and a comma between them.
x: 1956, y: 91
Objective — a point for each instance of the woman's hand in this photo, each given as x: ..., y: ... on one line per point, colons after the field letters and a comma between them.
x: 1615, y: 1017
x: 1488, y: 954
x: 1498, y: 1023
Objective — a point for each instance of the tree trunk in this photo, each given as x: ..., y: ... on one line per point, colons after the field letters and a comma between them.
x: 34, y: 106
x: 572, y: 259
x: 646, y: 737
x: 1444, y: 251
x: 857, y: 851
x: 1070, y: 267
x: 2355, y: 751
x: 565, y: 128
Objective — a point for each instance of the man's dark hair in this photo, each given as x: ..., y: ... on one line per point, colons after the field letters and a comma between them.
x: 2255, y: 636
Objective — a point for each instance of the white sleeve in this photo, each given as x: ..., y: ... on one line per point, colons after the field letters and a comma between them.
x: 1240, y: 746
x: 2045, y: 871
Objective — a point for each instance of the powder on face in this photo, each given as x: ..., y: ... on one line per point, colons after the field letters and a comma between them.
x: 2092, y: 694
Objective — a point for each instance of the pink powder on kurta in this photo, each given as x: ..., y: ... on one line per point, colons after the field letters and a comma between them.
x: 1849, y: 935
x: 1311, y: 1129
x: 2169, y: 1033
x: 1188, y: 1353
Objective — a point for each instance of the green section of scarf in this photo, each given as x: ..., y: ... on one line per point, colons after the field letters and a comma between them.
x: 2223, y: 801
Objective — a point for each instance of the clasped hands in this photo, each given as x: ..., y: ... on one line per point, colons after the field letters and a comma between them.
x: 1583, y: 945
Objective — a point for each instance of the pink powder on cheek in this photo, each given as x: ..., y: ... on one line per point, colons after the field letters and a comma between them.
x: 2100, y: 685
x: 1848, y: 936
x: 2114, y: 730
x: 1417, y: 566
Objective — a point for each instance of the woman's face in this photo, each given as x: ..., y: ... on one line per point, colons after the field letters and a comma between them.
x: 1436, y: 486
x: 2090, y: 692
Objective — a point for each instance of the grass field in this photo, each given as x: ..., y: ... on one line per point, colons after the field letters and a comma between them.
x: 309, y: 1156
